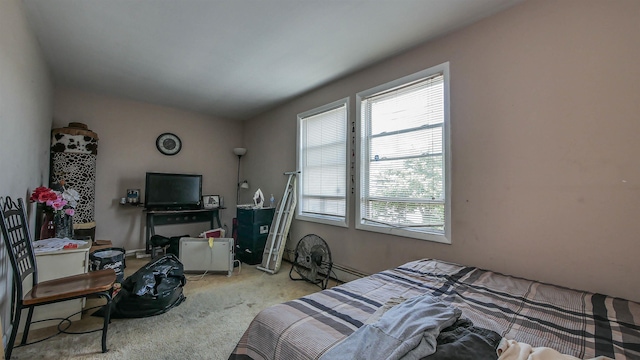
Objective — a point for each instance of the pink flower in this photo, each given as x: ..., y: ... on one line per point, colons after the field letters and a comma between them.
x: 57, y: 204
x: 56, y: 201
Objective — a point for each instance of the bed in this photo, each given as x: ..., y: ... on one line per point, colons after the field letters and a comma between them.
x: 577, y: 323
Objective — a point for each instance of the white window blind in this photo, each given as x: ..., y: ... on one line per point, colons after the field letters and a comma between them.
x: 323, y: 163
x: 403, y: 179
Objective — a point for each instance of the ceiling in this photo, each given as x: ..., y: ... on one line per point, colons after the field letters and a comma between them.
x: 232, y: 58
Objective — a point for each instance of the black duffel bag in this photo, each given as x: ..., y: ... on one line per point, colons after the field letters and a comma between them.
x: 152, y: 290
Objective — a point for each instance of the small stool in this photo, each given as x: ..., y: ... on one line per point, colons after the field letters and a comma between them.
x: 161, y: 245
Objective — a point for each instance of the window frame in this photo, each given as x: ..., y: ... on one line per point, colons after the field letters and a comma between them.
x: 321, y: 218
x: 360, y: 223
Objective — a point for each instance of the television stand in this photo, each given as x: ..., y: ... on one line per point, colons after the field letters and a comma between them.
x: 175, y: 217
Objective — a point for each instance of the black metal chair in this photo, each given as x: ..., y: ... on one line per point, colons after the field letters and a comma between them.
x: 17, y: 239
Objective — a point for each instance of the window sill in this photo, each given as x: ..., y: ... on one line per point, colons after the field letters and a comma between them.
x: 404, y: 232
x: 326, y: 220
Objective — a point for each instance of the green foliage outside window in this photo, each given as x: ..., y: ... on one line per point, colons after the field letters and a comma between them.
x: 411, y: 195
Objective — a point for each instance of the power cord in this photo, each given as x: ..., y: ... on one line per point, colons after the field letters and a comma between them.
x: 239, y: 265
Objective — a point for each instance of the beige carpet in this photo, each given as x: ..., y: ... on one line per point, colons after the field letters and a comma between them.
x: 206, y: 326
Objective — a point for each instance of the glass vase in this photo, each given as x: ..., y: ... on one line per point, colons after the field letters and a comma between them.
x: 63, y: 226
x: 48, y: 228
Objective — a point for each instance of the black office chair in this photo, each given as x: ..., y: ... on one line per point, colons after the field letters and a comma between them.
x: 15, y: 233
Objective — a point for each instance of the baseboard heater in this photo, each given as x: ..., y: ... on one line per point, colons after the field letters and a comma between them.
x: 341, y: 273
x: 199, y: 255
x: 346, y: 274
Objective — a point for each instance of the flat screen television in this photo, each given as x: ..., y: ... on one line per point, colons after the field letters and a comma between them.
x: 164, y: 191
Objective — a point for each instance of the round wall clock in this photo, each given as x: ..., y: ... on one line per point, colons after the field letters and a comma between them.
x: 168, y: 144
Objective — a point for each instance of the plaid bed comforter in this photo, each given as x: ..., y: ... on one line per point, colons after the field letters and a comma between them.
x: 573, y: 322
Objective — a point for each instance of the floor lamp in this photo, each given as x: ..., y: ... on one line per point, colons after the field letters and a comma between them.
x: 240, y: 152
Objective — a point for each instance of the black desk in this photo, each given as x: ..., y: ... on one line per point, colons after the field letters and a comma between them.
x: 173, y: 217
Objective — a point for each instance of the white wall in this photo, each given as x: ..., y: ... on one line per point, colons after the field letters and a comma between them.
x: 127, y: 132
x: 25, y: 120
x: 544, y: 115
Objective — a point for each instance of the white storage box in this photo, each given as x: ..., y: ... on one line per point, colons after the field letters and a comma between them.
x: 199, y: 254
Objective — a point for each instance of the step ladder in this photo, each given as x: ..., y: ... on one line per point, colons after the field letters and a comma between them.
x: 277, y: 238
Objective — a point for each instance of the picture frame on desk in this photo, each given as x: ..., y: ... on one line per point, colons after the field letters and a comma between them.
x: 211, y: 201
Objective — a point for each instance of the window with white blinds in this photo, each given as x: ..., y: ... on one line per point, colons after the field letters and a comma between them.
x: 322, y: 161
x: 404, y: 157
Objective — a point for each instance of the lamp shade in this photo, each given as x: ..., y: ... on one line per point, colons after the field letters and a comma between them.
x: 244, y: 185
x: 239, y: 151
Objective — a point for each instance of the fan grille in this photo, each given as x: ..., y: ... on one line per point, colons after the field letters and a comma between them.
x: 312, y: 261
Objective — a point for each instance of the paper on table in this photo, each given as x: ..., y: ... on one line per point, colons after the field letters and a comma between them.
x: 54, y: 244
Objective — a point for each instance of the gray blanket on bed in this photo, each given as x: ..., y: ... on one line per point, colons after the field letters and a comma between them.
x: 406, y: 331
x: 578, y: 323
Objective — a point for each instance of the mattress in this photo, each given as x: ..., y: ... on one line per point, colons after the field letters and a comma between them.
x: 572, y: 322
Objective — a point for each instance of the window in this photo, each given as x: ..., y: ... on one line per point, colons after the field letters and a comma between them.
x: 322, y: 161
x: 404, y: 158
